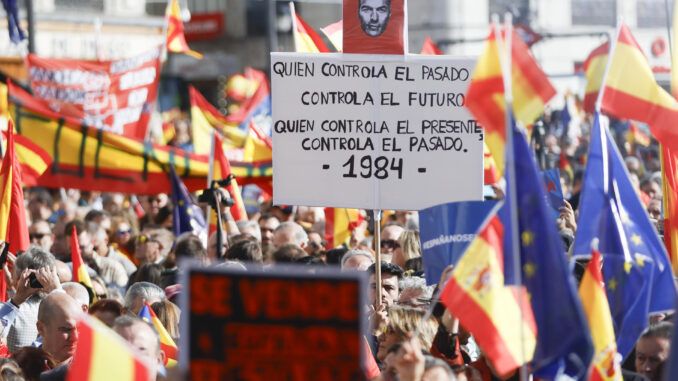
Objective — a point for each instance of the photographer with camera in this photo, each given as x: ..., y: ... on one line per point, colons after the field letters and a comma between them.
x: 33, y: 278
x: 218, y: 198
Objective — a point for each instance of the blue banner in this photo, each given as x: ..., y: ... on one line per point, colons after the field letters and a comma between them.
x: 446, y: 231
x: 554, y: 193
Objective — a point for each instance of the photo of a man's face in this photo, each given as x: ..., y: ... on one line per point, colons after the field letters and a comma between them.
x: 374, y: 15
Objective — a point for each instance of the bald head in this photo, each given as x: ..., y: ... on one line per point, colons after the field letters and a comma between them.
x: 57, y: 318
x: 63, y: 271
x: 290, y: 232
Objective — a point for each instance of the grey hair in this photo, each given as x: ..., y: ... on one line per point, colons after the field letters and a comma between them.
x: 34, y: 258
x: 434, y: 362
x: 146, y: 290
x: 300, y: 235
x: 660, y: 330
x: 354, y: 253
x: 250, y: 224
x: 416, y: 283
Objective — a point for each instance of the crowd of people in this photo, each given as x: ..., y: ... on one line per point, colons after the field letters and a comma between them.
x: 132, y: 258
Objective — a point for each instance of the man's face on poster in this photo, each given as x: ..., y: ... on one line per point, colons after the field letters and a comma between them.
x: 374, y: 15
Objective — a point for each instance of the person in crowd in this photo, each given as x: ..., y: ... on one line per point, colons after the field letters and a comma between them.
x: 268, y: 222
x: 246, y: 250
x: 290, y: 232
x: 40, y: 204
x: 403, y: 322
x: 144, y: 337
x: 356, y: 259
x: 79, y: 293
x: 390, y: 235
x: 653, y: 348
x: 414, y: 292
x: 250, y: 227
x: 168, y: 313
x: 408, y: 248
x: 106, y: 310
x: 57, y: 319
x: 41, y: 234
x: 33, y: 361
x: 142, y: 292
x: 288, y: 253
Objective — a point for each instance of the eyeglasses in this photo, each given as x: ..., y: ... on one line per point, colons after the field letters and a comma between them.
x: 37, y: 236
x: 123, y: 232
x: 389, y: 243
x: 101, y: 296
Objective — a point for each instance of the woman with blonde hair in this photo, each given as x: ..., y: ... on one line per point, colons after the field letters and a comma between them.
x: 403, y: 322
x: 168, y: 313
x: 409, y: 248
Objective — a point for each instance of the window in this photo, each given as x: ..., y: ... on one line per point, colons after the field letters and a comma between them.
x: 79, y: 5
x: 594, y: 12
x: 651, y: 13
x: 520, y: 9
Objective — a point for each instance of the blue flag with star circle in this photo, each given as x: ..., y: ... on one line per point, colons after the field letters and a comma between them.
x: 564, y: 346
x: 636, y: 267
x: 186, y: 216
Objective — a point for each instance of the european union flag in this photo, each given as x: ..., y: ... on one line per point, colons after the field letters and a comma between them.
x: 186, y: 216
x: 15, y: 32
x: 545, y: 273
x: 636, y: 268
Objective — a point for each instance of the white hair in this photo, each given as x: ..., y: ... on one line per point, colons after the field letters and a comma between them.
x: 146, y: 290
x: 77, y: 292
x: 354, y: 253
x: 416, y: 283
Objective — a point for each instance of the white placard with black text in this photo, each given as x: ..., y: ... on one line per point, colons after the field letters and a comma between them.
x: 373, y: 132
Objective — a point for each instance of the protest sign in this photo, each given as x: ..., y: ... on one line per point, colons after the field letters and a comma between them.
x: 446, y: 231
x: 554, y: 192
x: 282, y: 324
x: 374, y: 26
x: 115, y: 96
x: 373, y: 132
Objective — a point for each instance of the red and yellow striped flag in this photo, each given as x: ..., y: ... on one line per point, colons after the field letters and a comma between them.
x: 222, y: 168
x: 565, y: 166
x: 491, y: 173
x: 485, y: 96
x: 335, y: 33
x: 103, y: 355
x: 339, y: 223
x: 306, y: 40
x: 606, y: 364
x: 166, y: 342
x: 80, y: 274
x: 669, y: 163
x: 258, y: 146
x: 13, y: 227
x: 33, y: 159
x: 631, y: 92
x: 636, y: 136
x: 594, y: 68
x: 430, y: 48
x: 488, y: 309
x: 176, y: 41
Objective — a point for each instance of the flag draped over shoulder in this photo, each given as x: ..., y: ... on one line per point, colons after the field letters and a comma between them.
x: 166, y: 342
x: 186, y: 216
x: 339, y: 223
x: 95, y: 160
x: 545, y: 273
x: 631, y: 92
x: 80, y: 274
x: 485, y: 96
x: 594, y: 68
x: 606, y: 365
x: 176, y: 41
x: 222, y: 168
x: 636, y: 268
x: 306, y: 40
x: 488, y: 309
x: 97, y: 346
x: 13, y: 227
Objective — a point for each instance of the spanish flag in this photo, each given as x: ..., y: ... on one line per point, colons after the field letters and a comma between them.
x: 306, y: 40
x: 488, y: 309
x: 631, y: 91
x: 430, y: 48
x: 636, y: 136
x: 239, y: 87
x: 33, y: 159
x: 222, y: 168
x: 101, y: 354
x: 335, y: 33
x: 205, y: 118
x: 565, y: 166
x: 485, y: 96
x: 339, y: 223
x: 606, y: 364
x: 491, y: 173
x: 80, y: 274
x: 258, y: 146
x: 13, y: 227
x: 594, y: 68
x: 176, y: 42
x: 166, y: 342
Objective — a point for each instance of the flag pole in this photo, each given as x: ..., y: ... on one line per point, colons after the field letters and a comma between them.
x: 505, y: 56
x: 613, y: 45
x: 293, y: 13
x: 210, y: 176
x: 377, y: 265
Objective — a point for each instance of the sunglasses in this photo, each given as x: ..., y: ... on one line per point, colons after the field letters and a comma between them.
x: 123, y: 232
x: 389, y: 243
x: 37, y: 236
